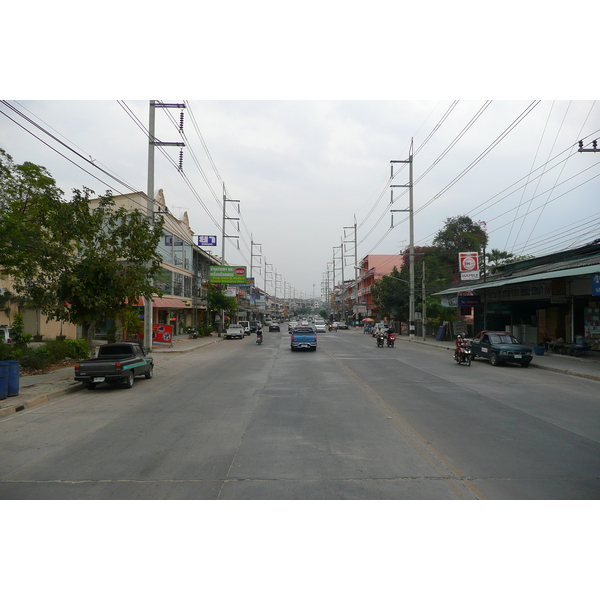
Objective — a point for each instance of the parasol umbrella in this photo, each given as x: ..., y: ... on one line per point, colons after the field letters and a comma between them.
x: 367, y: 320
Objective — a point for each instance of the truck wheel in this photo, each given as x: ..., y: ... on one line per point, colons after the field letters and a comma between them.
x: 129, y: 380
x: 494, y: 360
x: 149, y: 374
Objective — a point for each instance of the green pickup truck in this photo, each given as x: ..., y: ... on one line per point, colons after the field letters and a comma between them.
x: 116, y: 363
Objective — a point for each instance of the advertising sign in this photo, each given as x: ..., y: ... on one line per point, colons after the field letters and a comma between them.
x: 227, y: 274
x: 468, y: 263
x: 207, y: 240
x: 162, y: 334
x: 596, y: 284
x: 230, y: 292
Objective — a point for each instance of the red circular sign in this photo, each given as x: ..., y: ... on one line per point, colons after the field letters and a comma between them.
x: 240, y: 271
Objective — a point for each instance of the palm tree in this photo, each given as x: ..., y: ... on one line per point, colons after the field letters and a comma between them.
x: 495, y: 258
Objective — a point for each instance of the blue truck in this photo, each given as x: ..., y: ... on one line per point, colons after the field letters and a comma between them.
x: 303, y: 338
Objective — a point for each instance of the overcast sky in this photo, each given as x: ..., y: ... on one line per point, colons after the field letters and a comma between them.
x: 304, y: 169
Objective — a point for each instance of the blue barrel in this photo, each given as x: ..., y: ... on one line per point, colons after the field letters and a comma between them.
x: 13, y: 377
x: 3, y: 380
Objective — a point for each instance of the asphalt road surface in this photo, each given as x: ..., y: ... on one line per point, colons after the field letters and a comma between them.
x: 350, y: 421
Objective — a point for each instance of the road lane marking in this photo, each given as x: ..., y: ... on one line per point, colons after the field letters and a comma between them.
x: 438, y: 461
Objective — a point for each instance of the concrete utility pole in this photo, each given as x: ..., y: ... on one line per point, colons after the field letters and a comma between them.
x: 411, y: 256
x: 152, y: 142
x: 223, y: 236
x: 355, y: 302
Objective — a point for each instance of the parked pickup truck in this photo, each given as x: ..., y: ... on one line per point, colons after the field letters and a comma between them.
x: 115, y: 363
x: 304, y: 337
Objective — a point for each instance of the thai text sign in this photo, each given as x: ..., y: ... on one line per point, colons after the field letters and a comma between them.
x: 468, y: 263
x: 227, y: 274
x: 207, y: 240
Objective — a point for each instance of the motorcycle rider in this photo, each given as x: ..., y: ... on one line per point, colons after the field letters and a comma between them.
x: 259, y: 334
x: 380, y: 337
x: 460, y: 342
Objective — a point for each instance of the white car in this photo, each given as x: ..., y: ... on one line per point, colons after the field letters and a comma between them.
x: 5, y: 333
x: 320, y: 326
x: 234, y: 331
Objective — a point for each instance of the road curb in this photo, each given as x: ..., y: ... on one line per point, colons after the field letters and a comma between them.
x: 37, y: 400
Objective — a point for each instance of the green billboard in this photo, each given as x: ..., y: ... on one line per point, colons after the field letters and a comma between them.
x: 227, y: 274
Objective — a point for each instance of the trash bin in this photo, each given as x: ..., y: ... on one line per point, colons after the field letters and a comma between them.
x: 13, y: 377
x: 539, y: 349
x: 3, y: 380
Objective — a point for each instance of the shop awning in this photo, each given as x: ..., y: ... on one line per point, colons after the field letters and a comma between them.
x: 163, y: 303
x: 574, y: 272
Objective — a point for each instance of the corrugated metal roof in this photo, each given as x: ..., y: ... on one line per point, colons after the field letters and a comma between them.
x: 554, y: 274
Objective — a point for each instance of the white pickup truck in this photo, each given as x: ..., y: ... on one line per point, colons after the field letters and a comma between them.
x: 235, y: 330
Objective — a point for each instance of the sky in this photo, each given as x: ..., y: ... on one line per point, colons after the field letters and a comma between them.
x: 299, y: 114
x: 301, y: 172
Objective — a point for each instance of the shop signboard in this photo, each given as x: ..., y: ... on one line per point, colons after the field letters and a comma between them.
x: 468, y: 263
x: 207, y: 240
x: 227, y: 274
x: 596, y: 284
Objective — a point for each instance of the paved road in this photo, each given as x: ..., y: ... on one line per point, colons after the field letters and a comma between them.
x: 349, y: 421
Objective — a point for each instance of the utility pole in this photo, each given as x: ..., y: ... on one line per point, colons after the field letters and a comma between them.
x: 411, y: 256
x: 355, y: 302
x: 424, y: 311
x: 223, y: 236
x: 152, y: 142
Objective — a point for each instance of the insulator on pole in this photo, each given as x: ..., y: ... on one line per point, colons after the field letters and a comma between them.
x: 181, y: 122
x: 181, y: 159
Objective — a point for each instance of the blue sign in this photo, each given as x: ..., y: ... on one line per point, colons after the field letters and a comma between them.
x: 207, y: 240
x: 596, y: 284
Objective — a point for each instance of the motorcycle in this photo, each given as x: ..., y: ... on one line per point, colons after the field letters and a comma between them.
x: 380, y: 341
x: 391, y: 338
x: 463, y: 354
x: 259, y: 337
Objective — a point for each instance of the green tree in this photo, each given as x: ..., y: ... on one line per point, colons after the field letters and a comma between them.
x: 459, y: 234
x: 76, y: 263
x: 390, y: 295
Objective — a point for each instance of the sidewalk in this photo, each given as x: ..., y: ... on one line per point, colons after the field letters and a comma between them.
x: 37, y: 389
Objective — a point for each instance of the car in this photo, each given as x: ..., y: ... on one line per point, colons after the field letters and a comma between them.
x: 246, y: 326
x: 291, y: 325
x: 254, y: 325
x: 342, y: 325
x: 320, y: 326
x: 234, y: 331
x: 500, y: 347
x: 5, y: 334
x: 274, y: 327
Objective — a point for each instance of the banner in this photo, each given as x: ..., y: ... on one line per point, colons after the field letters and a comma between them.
x: 468, y: 263
x: 227, y: 274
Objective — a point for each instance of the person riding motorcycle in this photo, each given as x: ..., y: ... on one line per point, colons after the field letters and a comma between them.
x: 380, y: 336
x: 259, y: 334
x: 460, y: 343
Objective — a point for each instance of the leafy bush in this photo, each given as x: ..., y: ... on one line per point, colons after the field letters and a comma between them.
x: 37, y: 358
x: 61, y: 349
x: 20, y: 338
x: 5, y: 351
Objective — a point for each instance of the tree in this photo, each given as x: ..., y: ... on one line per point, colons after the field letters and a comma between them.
x: 390, y: 295
x: 460, y: 234
x: 76, y: 263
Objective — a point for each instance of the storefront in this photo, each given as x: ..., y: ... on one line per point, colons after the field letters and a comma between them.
x: 560, y: 303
